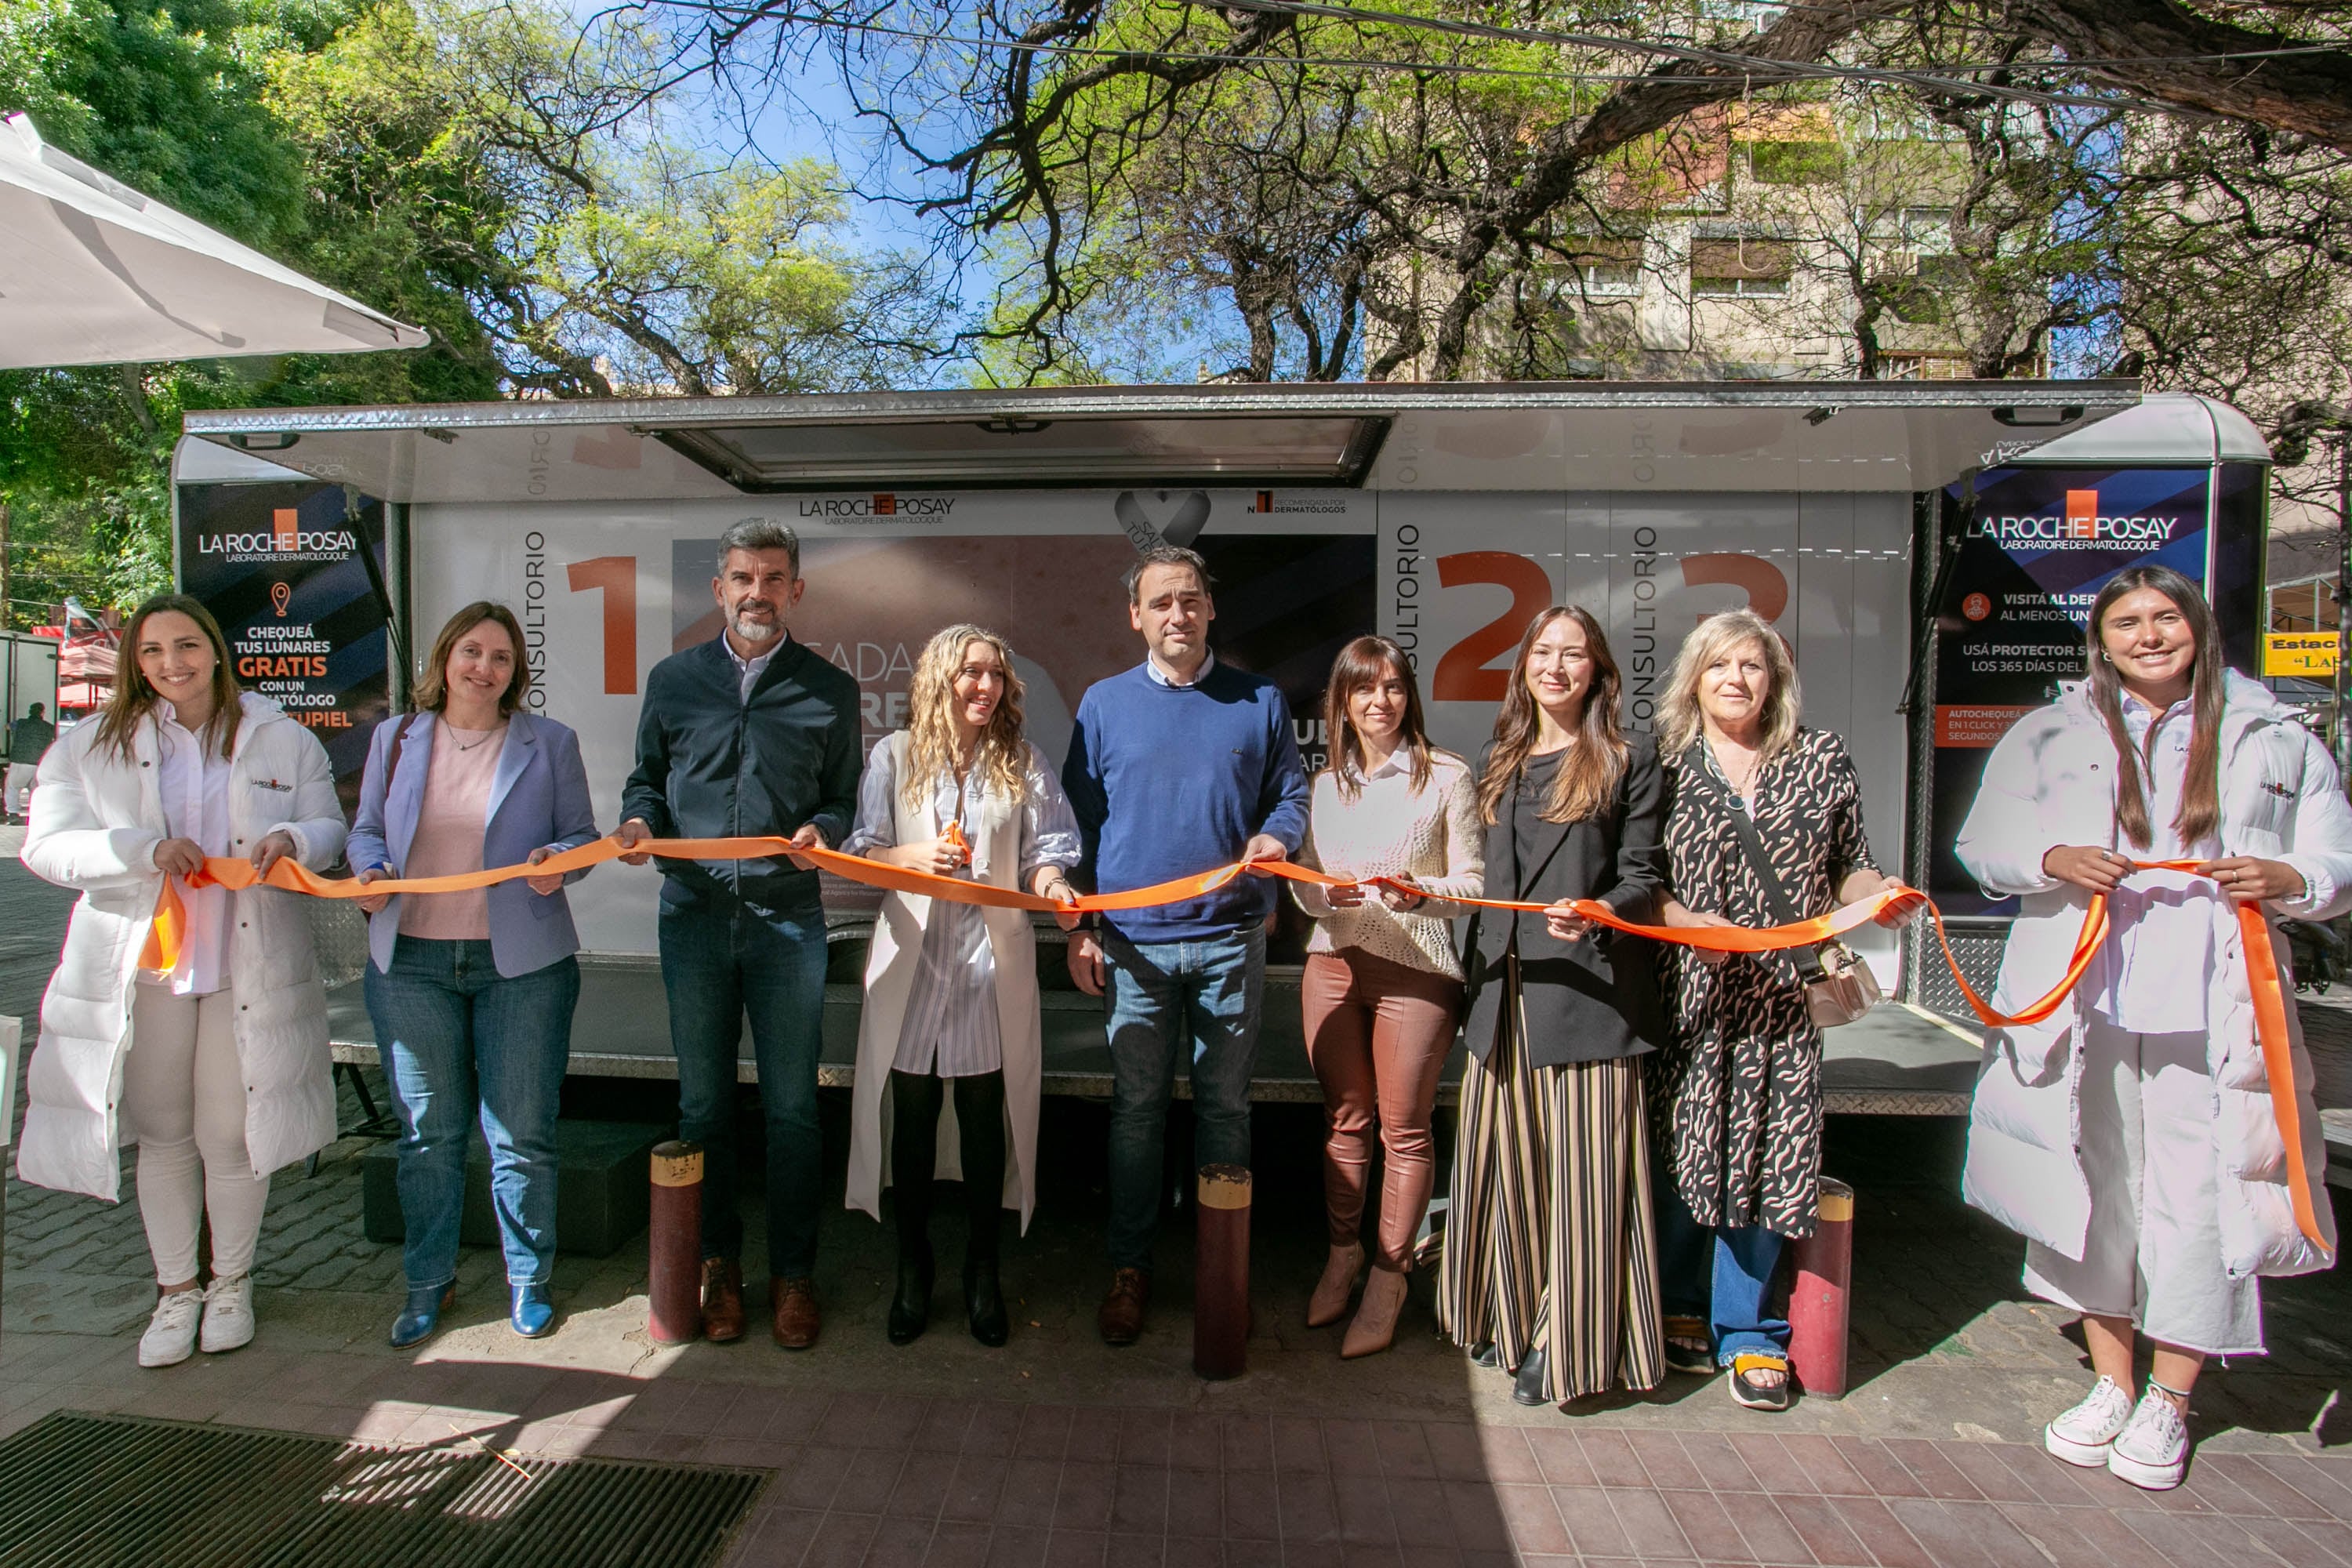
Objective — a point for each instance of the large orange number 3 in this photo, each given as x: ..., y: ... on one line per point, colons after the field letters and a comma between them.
x: 617, y: 577
x: 1461, y: 675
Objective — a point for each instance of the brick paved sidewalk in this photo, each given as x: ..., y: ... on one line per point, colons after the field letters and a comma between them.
x: 901, y: 1479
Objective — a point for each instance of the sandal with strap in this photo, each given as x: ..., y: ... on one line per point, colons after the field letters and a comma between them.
x: 1688, y: 1348
x: 1756, y: 1396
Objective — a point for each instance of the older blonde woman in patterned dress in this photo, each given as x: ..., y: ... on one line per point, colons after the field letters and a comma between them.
x: 1737, y: 1092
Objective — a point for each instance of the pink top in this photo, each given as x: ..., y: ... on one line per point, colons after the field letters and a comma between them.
x: 449, y: 829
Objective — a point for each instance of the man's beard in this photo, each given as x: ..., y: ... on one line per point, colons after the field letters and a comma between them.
x: 751, y: 631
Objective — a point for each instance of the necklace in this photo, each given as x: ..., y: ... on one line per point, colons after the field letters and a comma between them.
x: 1741, y: 788
x: 484, y: 736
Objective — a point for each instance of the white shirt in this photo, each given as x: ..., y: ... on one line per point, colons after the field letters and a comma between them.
x: 950, y: 1026
x: 1152, y: 667
x: 2152, y: 975
x: 192, y: 779
x: 751, y: 669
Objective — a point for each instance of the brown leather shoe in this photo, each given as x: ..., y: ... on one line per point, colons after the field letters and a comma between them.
x: 723, y: 1301
x: 1122, y: 1317
x: 796, y: 1319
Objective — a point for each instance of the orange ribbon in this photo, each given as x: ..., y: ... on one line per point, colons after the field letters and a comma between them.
x: 165, y: 934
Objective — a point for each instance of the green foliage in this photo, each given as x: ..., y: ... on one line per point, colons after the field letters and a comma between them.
x: 482, y: 170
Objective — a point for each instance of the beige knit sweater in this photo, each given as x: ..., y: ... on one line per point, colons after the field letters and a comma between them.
x: 1388, y: 830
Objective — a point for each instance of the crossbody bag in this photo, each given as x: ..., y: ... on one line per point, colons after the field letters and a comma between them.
x: 1839, y: 987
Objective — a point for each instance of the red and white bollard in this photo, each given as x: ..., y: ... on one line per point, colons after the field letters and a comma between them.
x: 1823, y: 1277
x: 674, y: 1244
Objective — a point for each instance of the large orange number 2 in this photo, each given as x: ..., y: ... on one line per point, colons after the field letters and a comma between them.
x: 617, y: 577
x: 1461, y: 675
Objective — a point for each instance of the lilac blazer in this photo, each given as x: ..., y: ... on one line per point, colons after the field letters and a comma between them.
x: 537, y: 796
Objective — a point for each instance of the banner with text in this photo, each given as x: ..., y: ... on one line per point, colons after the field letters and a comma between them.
x: 2037, y: 545
x: 278, y: 566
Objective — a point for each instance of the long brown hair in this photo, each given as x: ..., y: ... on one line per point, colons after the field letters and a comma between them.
x: 432, y: 685
x: 2201, y: 798
x: 133, y: 698
x: 1367, y: 662
x: 1589, y: 773
x: 1001, y: 757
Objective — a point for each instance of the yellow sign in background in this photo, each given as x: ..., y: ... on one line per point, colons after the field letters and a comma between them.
x: 2299, y: 653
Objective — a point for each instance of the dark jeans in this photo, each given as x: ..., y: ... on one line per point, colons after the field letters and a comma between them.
x: 1198, y: 999
x: 1721, y: 1274
x: 459, y: 1040
x: 722, y: 962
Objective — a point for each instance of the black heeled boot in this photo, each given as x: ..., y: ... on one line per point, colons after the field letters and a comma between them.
x: 980, y: 1126
x: 1529, y: 1388
x: 914, y: 1128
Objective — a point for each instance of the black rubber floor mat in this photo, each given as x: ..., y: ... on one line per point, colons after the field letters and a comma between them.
x: 96, y: 1491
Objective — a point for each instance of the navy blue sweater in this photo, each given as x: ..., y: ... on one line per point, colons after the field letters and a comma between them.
x: 1171, y: 780
x: 711, y: 764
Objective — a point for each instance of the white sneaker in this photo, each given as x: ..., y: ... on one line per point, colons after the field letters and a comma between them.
x: 228, y: 1315
x: 2083, y: 1435
x: 171, y: 1332
x: 2153, y: 1450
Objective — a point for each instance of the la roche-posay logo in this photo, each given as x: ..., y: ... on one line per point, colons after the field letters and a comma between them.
x: 2081, y: 526
x: 287, y: 539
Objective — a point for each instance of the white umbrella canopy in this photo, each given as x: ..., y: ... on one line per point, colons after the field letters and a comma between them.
x: 91, y: 272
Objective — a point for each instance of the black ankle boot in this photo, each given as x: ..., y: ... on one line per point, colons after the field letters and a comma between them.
x: 983, y: 1303
x: 910, y: 1308
x: 1529, y: 1388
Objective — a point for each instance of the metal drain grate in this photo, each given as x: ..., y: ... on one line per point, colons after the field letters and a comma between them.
x: 92, y: 1491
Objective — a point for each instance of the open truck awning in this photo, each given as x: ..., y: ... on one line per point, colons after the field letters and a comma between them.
x: 93, y: 272
x: 1615, y: 436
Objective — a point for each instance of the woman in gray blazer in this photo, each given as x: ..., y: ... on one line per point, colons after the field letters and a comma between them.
x: 472, y: 993
x: 1550, y: 1263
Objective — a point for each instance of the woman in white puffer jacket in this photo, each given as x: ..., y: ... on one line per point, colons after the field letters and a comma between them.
x: 217, y: 1068
x: 2130, y: 1136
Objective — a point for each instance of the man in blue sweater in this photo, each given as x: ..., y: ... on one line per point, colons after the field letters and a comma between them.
x: 1177, y: 766
x: 750, y: 734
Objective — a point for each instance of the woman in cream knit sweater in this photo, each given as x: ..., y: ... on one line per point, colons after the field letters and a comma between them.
x: 1382, y: 991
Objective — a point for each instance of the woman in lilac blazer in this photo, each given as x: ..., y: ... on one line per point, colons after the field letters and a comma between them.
x: 472, y: 993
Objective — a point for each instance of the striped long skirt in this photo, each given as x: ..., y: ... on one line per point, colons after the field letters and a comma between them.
x: 1549, y: 1237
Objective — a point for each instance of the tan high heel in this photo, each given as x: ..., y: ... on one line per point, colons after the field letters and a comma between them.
x: 1330, y: 1302
x: 1376, y: 1316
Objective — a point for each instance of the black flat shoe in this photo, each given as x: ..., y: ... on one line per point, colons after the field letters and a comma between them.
x: 984, y: 1303
x: 1486, y: 1354
x: 910, y: 1308
x: 1529, y: 1388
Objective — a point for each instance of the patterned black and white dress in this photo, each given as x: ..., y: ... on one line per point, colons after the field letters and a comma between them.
x: 1736, y: 1095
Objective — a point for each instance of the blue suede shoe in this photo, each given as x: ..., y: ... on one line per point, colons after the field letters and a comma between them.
x: 422, y: 1316
x: 534, y: 1315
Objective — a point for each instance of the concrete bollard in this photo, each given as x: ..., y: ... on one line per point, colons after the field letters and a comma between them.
x: 1818, y: 1308
x: 674, y: 1244
x: 1221, y: 1287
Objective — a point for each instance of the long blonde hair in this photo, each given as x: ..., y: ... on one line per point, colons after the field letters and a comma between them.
x: 1002, y: 756
x: 1680, y: 723
x: 1588, y: 775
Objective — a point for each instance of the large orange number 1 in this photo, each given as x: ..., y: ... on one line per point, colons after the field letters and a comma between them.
x: 616, y: 576
x: 1461, y: 675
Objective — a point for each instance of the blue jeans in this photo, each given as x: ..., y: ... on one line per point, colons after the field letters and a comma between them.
x: 462, y: 1040
x: 1721, y: 1274
x: 719, y: 962
x: 1203, y: 995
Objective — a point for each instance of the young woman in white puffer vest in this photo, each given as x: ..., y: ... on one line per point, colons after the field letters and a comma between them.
x: 2131, y: 1137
